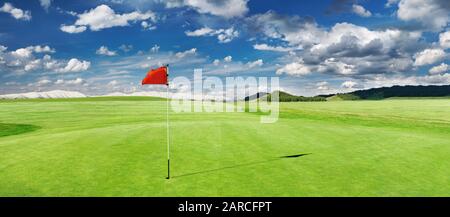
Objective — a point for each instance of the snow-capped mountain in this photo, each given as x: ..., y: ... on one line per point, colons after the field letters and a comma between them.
x: 44, y: 95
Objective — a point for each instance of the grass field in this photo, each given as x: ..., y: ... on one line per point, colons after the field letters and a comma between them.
x: 116, y: 147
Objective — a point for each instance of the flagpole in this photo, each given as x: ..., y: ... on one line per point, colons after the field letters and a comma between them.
x: 167, y: 121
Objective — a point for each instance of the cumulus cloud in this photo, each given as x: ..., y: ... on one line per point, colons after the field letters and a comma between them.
x: 43, y: 82
x: 103, y: 17
x: 74, y: 81
x: 294, y: 69
x: 349, y: 85
x: 200, y: 32
x: 186, y: 53
x: 30, y: 58
x: 429, y: 56
x: 75, y: 65
x: 103, y: 50
x: 444, y: 39
x: 267, y: 47
x: 72, y: 28
x: 256, y: 63
x: 155, y: 48
x: 126, y: 48
x: 390, y: 3
x: 348, y: 49
x: 440, y: 69
x: 223, y: 35
x: 361, y: 11
x: 45, y: 3
x: 323, y: 85
x: 147, y: 26
x: 433, y: 14
x: 113, y: 83
x: 296, y: 30
x: 228, y: 59
x: 17, y: 13
x: 227, y: 9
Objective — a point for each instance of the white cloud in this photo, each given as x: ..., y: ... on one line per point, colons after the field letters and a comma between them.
x: 3, y: 48
x: 17, y: 13
x: 333, y: 65
x: 216, y: 62
x: 432, y: 14
x: 429, y: 56
x: 22, y: 53
x: 267, y: 47
x: 73, y: 28
x: 295, y: 30
x: 155, y: 48
x: 383, y: 80
x: 349, y: 84
x: 103, y: 17
x: 103, y: 50
x: 113, y: 83
x: 75, y: 65
x: 444, y: 39
x: 28, y: 51
x: 43, y: 82
x: 147, y: 26
x: 227, y: 9
x: 200, y: 32
x: 323, y: 85
x: 389, y: 3
x: 440, y: 69
x: 41, y: 49
x: 186, y: 53
x: 75, y: 81
x: 223, y: 35
x: 45, y: 3
x: 126, y: 48
x: 361, y: 11
x: 256, y: 63
x: 294, y: 69
x: 348, y: 49
x: 228, y: 59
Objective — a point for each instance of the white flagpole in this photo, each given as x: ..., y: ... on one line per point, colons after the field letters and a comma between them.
x: 167, y: 121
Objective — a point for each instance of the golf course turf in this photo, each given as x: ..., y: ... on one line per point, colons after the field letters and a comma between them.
x: 116, y: 146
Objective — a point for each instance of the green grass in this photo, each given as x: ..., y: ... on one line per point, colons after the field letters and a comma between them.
x: 116, y: 147
x: 14, y: 129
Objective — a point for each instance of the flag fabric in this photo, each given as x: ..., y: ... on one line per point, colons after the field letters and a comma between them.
x: 156, y: 76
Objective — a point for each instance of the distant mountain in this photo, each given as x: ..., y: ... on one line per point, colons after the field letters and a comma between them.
x: 286, y: 97
x: 395, y: 91
x: 255, y: 96
x: 44, y: 95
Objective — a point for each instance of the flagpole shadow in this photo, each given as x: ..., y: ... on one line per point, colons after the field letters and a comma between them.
x: 241, y: 165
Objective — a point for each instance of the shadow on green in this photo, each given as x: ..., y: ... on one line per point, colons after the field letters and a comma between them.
x: 243, y: 165
x: 14, y: 129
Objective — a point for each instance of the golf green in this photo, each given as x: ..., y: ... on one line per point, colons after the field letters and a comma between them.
x: 117, y: 147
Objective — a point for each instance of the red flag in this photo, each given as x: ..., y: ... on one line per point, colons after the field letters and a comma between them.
x: 156, y: 76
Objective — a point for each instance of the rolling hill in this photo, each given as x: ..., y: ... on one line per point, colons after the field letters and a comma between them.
x: 394, y: 91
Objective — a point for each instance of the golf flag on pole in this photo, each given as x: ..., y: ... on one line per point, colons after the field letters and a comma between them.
x: 156, y: 76
x: 161, y: 76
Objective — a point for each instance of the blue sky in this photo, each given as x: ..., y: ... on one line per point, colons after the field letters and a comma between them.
x: 315, y: 47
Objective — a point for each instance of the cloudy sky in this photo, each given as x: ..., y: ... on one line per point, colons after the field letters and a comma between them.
x: 314, y: 47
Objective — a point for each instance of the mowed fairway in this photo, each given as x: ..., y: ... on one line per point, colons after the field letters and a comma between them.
x: 117, y: 147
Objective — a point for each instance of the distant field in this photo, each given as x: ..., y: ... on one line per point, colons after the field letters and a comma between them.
x: 116, y: 146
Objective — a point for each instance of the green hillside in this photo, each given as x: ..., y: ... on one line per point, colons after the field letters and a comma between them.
x: 394, y: 91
